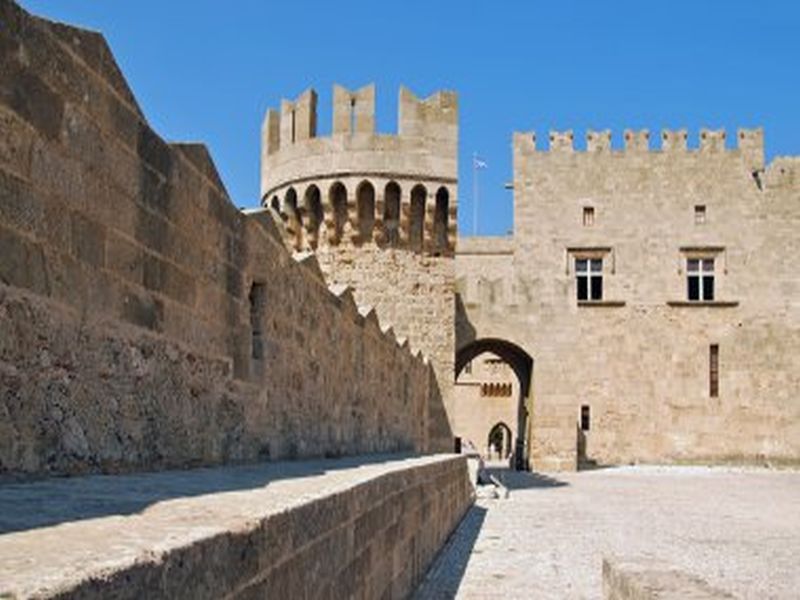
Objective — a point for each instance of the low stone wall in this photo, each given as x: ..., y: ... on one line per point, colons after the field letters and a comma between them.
x: 624, y: 580
x: 365, y: 531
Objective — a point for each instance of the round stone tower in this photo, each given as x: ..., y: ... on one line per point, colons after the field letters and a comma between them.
x: 379, y: 211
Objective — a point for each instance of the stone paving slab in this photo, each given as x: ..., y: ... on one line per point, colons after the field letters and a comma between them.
x: 59, y: 531
x: 737, y: 529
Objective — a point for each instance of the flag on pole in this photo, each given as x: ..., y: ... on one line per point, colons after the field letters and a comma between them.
x: 477, y: 164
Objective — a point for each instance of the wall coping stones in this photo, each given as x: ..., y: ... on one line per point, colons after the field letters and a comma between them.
x: 153, y: 531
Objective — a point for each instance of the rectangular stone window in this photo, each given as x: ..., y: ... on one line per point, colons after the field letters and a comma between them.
x: 589, y: 278
x: 588, y: 216
x: 699, y: 214
x: 700, y: 279
x: 713, y: 370
x: 257, y: 301
x: 585, y: 418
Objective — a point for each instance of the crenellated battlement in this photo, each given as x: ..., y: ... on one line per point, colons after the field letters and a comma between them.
x: 431, y: 118
x: 749, y: 143
x: 360, y: 186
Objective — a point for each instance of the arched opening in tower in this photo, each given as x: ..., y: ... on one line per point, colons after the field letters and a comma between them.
x: 337, y: 196
x: 440, y: 219
x: 417, y: 218
x: 313, y: 208
x: 294, y: 220
x: 391, y: 212
x: 365, y: 200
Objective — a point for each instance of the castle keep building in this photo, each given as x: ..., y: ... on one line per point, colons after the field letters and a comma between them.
x: 651, y: 295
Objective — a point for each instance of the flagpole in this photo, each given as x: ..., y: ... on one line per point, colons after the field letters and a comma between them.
x: 474, y: 193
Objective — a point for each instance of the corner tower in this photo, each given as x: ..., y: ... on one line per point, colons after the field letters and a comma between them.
x: 378, y: 210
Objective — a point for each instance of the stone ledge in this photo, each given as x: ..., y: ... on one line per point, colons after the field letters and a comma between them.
x: 363, y: 526
x: 601, y: 303
x: 703, y: 303
x: 625, y: 580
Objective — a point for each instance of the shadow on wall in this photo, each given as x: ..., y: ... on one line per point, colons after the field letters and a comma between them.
x: 445, y: 574
x: 26, y: 506
x: 440, y: 434
x: 523, y: 480
x: 585, y: 463
x: 465, y: 331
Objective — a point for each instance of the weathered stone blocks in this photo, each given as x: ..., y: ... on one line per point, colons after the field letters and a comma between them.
x: 348, y: 536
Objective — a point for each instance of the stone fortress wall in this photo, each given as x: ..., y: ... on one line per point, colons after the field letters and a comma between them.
x: 378, y: 211
x: 641, y: 357
x: 145, y: 322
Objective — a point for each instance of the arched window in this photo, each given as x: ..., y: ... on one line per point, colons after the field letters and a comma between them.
x: 337, y: 196
x: 365, y: 198
x: 275, y: 204
x: 417, y: 222
x: 294, y: 220
x: 391, y: 212
x: 290, y: 204
x: 313, y: 208
x: 440, y: 219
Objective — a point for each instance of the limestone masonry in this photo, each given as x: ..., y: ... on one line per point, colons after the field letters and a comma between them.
x: 379, y: 211
x: 651, y: 295
x: 644, y: 310
x: 147, y: 323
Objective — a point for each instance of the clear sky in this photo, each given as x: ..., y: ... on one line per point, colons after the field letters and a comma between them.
x: 207, y: 70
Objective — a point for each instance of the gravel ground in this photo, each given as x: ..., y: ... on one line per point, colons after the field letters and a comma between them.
x: 739, y: 529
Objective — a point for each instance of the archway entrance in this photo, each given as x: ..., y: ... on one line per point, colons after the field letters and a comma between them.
x: 500, y: 441
x: 521, y: 363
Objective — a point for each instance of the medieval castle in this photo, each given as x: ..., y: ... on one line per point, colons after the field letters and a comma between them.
x: 645, y: 310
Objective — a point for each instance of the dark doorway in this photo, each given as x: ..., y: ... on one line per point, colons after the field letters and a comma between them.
x: 500, y: 441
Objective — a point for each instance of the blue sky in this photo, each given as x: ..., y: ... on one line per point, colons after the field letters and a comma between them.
x: 207, y: 70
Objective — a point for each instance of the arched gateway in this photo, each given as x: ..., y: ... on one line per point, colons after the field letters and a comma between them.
x: 521, y: 363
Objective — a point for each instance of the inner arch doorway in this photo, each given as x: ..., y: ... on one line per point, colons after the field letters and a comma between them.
x: 500, y: 440
x: 521, y: 364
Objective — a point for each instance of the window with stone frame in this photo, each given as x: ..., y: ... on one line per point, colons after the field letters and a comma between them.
x: 588, y: 216
x: 700, y: 279
x: 589, y: 278
x: 699, y: 214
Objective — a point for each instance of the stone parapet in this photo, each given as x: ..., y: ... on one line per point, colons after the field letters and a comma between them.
x: 333, y: 529
x: 749, y: 144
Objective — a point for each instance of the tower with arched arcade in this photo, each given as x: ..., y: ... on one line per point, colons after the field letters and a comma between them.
x: 378, y: 210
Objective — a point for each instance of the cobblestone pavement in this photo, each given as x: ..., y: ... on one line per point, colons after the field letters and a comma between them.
x: 738, y: 529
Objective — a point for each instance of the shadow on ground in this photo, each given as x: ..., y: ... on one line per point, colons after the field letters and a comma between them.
x: 447, y: 571
x: 523, y: 480
x: 49, y: 502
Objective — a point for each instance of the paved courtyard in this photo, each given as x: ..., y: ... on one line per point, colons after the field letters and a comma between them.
x: 737, y: 529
